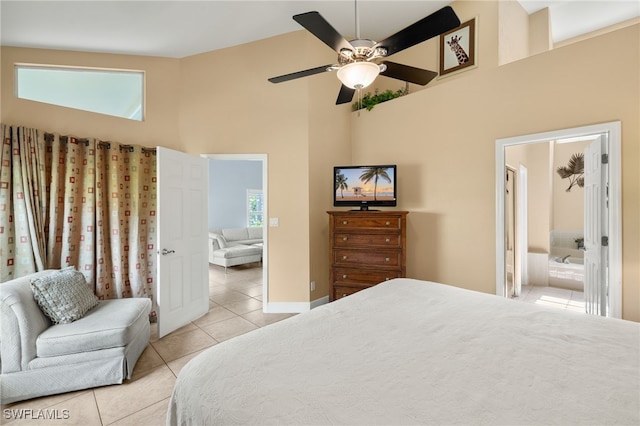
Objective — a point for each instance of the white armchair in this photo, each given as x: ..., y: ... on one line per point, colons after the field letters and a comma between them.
x: 40, y: 358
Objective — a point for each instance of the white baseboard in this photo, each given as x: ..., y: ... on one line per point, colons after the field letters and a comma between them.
x: 294, y: 307
x: 319, y: 302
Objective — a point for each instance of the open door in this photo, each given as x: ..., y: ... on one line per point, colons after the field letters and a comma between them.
x: 595, y: 227
x: 512, y: 252
x: 183, y: 274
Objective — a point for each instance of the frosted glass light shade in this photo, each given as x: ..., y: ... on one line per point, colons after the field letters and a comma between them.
x: 358, y: 75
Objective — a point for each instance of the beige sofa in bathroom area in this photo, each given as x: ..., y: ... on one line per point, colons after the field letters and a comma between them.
x: 235, y: 246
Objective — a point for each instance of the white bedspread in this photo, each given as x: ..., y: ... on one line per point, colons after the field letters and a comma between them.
x: 414, y: 352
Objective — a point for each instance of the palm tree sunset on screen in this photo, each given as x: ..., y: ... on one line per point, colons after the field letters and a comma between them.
x: 341, y: 184
x: 375, y: 173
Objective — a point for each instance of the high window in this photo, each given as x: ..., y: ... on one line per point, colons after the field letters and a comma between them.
x: 106, y: 91
x: 255, y: 213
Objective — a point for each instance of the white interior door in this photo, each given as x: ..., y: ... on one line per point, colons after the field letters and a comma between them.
x: 183, y: 275
x: 523, y: 230
x: 595, y: 228
x: 512, y: 270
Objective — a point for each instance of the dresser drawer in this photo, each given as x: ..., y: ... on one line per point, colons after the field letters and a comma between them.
x: 343, y: 239
x: 373, y: 259
x: 355, y: 276
x: 368, y: 222
x: 340, y: 292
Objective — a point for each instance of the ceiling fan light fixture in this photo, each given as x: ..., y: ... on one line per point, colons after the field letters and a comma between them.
x: 358, y: 75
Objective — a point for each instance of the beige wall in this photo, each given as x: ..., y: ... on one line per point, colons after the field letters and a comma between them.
x: 162, y: 94
x: 513, y: 32
x: 549, y: 205
x: 221, y: 102
x: 329, y: 145
x: 540, y: 39
x: 426, y: 55
x: 536, y: 158
x: 228, y: 106
x: 444, y: 141
x: 540, y: 196
x: 442, y: 138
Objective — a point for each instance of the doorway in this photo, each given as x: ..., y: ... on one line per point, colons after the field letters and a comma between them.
x: 612, y: 262
x: 260, y: 159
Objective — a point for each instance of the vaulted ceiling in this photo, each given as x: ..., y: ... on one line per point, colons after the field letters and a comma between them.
x: 183, y: 28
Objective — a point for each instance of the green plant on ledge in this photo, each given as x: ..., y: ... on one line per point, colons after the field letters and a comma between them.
x: 369, y: 100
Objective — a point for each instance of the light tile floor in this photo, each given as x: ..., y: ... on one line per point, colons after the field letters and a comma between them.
x: 561, y: 298
x: 235, y: 307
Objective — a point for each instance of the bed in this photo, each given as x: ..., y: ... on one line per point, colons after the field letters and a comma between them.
x: 416, y: 352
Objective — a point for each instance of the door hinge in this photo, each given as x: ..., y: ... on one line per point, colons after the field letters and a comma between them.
x: 605, y: 241
x: 605, y: 158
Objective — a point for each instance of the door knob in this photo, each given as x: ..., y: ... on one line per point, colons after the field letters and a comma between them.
x: 166, y: 252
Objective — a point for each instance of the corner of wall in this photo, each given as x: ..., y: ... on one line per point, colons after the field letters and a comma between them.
x: 513, y: 32
x: 540, y: 39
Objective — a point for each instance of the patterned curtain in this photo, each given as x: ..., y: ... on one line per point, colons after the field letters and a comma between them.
x: 71, y: 165
x: 66, y: 201
x: 126, y: 221
x: 23, y: 202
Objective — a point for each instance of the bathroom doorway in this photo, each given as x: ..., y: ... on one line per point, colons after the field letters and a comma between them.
x: 605, y: 298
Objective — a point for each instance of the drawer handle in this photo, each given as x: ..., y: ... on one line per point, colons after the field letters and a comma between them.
x: 344, y: 238
x: 344, y: 222
x: 388, y: 223
x: 387, y: 240
x: 386, y: 259
x: 344, y: 294
x: 387, y: 279
x: 344, y: 257
x: 344, y: 277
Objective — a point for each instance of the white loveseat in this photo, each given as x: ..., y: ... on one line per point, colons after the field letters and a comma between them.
x: 235, y: 246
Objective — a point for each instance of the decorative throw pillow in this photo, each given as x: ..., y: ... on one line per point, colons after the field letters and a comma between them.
x: 63, y: 296
x: 222, y: 241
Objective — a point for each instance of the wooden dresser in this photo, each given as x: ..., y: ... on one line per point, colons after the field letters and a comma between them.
x: 366, y: 248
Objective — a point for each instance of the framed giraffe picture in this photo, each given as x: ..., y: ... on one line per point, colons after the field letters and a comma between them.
x: 458, y: 48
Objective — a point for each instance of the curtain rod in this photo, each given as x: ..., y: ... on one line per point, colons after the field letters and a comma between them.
x: 101, y: 144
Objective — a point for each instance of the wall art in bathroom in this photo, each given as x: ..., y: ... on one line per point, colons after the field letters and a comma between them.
x: 574, y: 171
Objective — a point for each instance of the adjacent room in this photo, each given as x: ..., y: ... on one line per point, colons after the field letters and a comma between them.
x: 364, y: 211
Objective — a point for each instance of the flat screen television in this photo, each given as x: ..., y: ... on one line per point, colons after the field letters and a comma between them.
x: 365, y: 186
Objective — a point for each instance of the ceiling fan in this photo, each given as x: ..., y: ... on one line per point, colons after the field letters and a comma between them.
x: 359, y: 59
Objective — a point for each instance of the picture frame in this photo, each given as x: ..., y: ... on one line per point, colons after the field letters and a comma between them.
x: 458, y: 48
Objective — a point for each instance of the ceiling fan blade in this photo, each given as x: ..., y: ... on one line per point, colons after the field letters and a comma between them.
x: 346, y: 95
x: 319, y: 27
x: 408, y: 73
x: 299, y: 74
x: 435, y: 24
